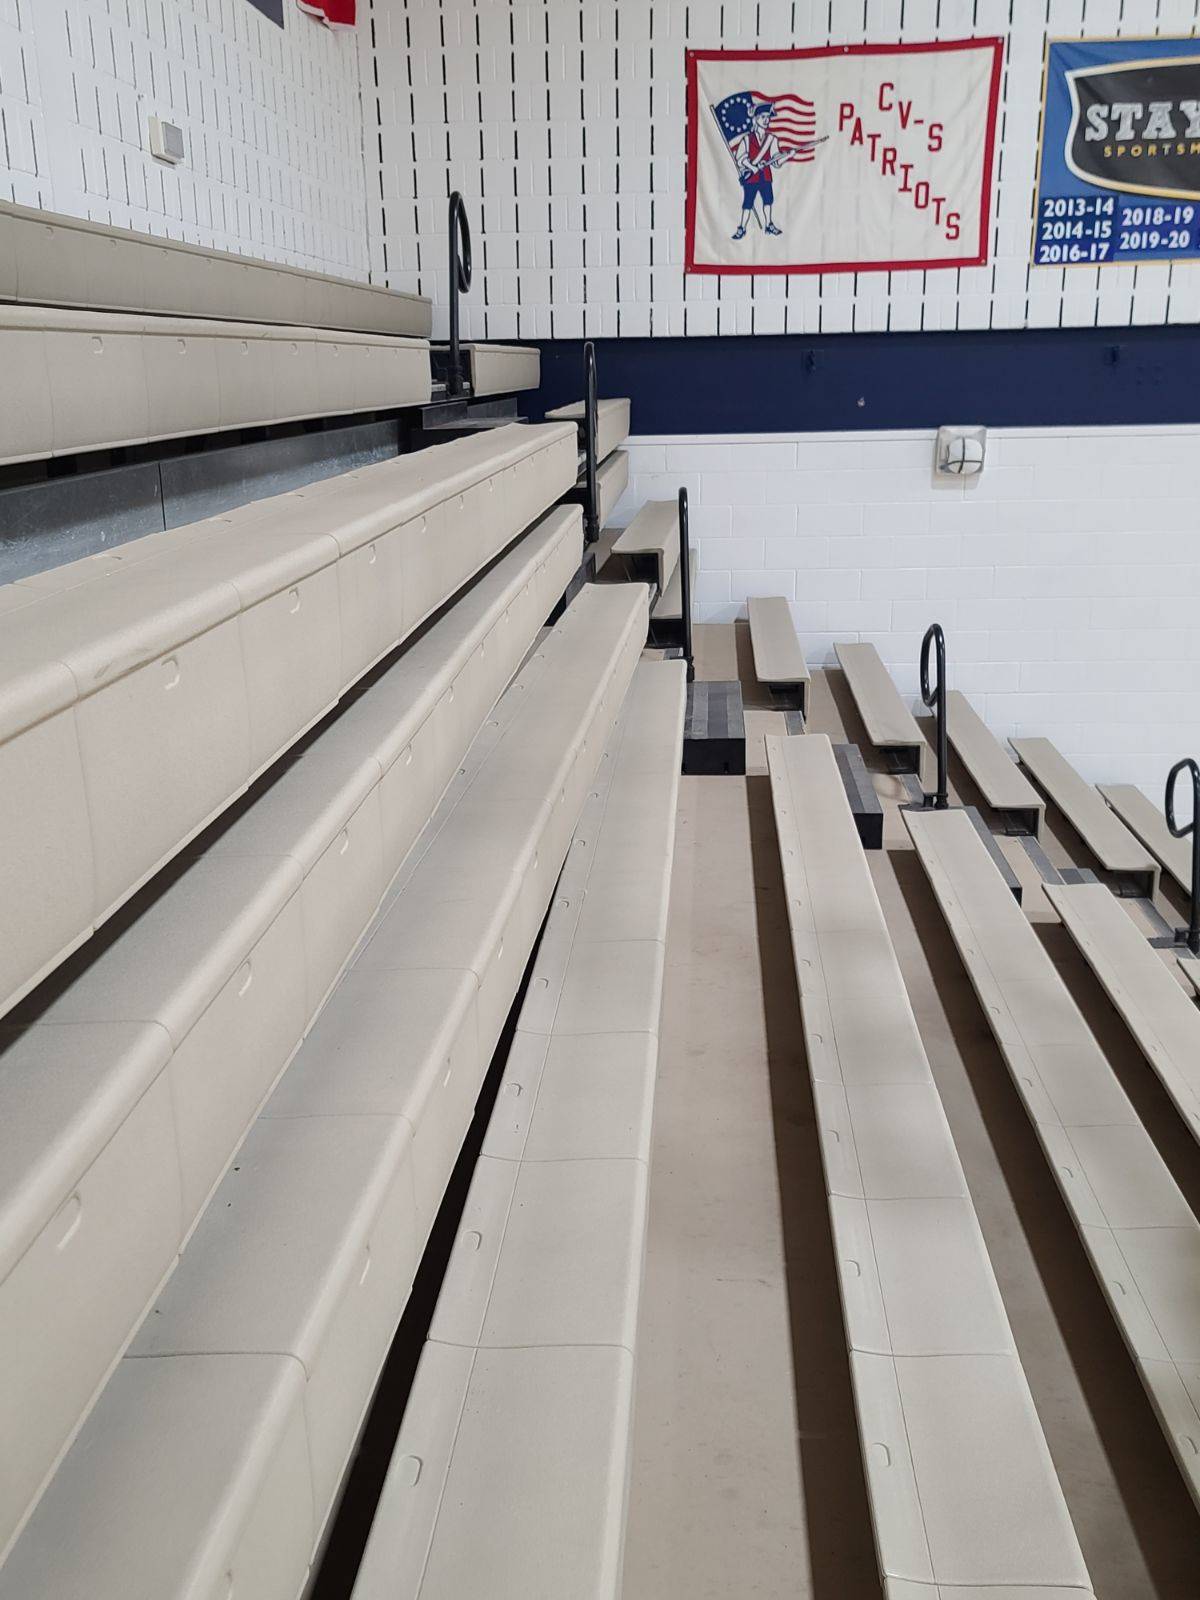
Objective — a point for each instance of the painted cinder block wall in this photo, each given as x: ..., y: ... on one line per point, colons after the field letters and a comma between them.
x: 271, y: 117
x: 1067, y: 576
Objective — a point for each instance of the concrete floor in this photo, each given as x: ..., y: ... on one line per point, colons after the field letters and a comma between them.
x: 746, y: 1477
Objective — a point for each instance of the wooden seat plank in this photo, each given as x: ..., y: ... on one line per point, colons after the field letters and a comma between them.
x: 1105, y: 835
x: 995, y: 774
x: 1136, y: 1227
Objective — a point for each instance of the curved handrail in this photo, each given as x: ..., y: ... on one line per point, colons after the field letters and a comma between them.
x: 685, y: 584
x: 1191, y: 935
x: 935, y: 699
x: 460, y: 283
x: 591, y: 429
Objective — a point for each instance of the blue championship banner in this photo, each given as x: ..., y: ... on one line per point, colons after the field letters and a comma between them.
x: 1119, y: 176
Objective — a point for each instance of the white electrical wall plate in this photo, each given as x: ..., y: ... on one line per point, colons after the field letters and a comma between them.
x: 959, y: 452
x: 166, y: 141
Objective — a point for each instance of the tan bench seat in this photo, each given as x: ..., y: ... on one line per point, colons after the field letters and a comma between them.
x: 650, y: 543
x: 963, y: 1494
x: 502, y: 368
x: 778, y: 657
x: 97, y: 380
x: 533, y: 1337
x: 278, y: 1319
x: 612, y: 423
x: 1159, y: 1013
x: 1147, y: 821
x: 612, y: 479
x: 52, y: 260
x: 139, y: 697
x: 132, y: 1082
x: 999, y: 779
x: 889, y: 723
x: 1105, y: 835
x: 1135, y: 1225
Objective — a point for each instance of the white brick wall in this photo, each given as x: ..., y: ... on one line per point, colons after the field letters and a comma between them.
x: 1067, y: 577
x: 272, y: 120
x: 563, y: 122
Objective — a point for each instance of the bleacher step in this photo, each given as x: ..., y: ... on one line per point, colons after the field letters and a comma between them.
x: 714, y: 729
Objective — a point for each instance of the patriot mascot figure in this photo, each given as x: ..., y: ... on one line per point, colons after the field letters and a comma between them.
x: 762, y: 135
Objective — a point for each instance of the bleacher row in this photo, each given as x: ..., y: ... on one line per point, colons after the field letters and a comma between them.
x: 912, y: 1283
x: 143, y: 690
x: 275, y: 866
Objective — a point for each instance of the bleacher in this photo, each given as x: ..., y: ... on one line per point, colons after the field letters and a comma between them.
x: 335, y: 885
x: 289, y: 792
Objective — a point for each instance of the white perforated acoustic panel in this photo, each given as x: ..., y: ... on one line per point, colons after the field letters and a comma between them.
x: 271, y: 118
x: 563, y: 123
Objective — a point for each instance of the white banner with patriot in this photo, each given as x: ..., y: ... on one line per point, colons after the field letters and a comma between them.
x: 846, y: 159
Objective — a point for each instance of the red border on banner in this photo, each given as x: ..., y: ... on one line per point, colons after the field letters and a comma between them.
x: 996, y: 45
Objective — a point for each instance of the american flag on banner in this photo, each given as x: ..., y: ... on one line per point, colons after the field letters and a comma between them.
x: 333, y: 13
x: 793, y: 120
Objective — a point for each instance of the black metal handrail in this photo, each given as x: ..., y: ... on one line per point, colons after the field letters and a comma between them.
x: 591, y: 429
x: 685, y: 584
x: 460, y: 283
x: 1191, y: 934
x: 935, y: 699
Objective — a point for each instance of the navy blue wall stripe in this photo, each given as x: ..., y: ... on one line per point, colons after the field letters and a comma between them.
x: 793, y: 384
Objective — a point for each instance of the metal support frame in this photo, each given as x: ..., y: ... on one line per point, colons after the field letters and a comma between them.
x: 591, y: 430
x: 935, y: 699
x: 1189, y: 936
x: 460, y: 283
x: 685, y: 586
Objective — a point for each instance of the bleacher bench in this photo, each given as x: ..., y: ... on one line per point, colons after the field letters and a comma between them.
x: 1101, y: 830
x: 90, y: 380
x: 531, y: 1349
x: 1158, y: 1012
x: 778, y: 658
x: 502, y: 368
x: 890, y: 725
x: 963, y: 1494
x: 612, y: 422
x: 141, y: 693
x: 650, y: 543
x: 1148, y: 823
x: 215, y: 1453
x: 1004, y: 787
x: 127, y: 1083
x: 51, y: 260
x: 1135, y: 1226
